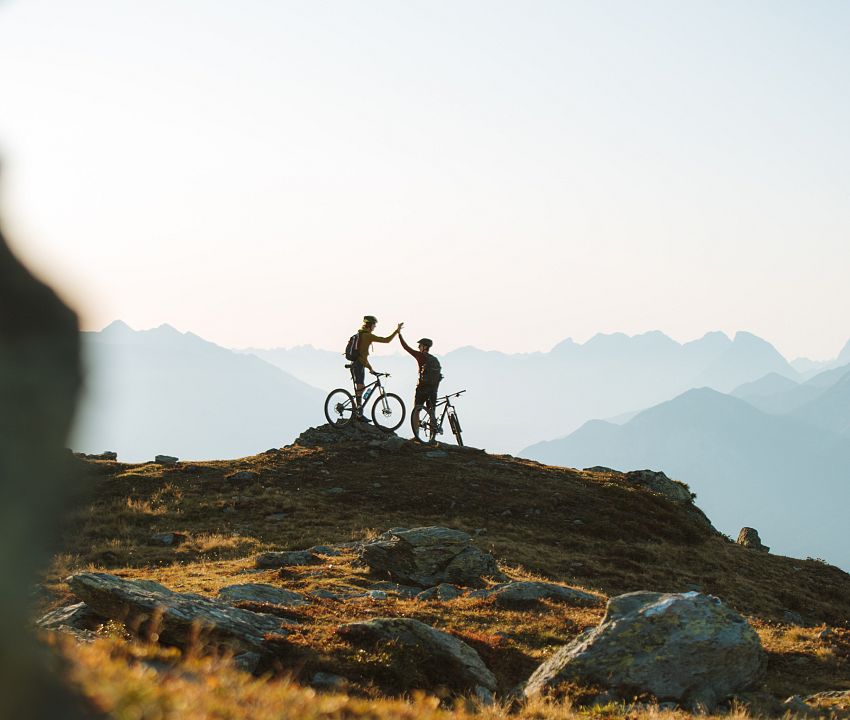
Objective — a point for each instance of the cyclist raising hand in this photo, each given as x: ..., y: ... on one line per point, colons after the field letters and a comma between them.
x: 429, y: 373
x: 365, y: 338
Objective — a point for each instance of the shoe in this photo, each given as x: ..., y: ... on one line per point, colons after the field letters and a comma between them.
x: 363, y: 418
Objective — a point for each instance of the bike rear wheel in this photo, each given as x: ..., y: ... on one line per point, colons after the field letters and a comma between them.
x: 455, y: 425
x: 340, y: 408
x: 423, y: 423
x: 388, y: 412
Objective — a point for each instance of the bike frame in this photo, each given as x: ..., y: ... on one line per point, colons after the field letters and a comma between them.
x: 446, y: 402
x: 381, y: 393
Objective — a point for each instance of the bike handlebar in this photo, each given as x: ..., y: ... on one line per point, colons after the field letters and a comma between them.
x: 446, y: 397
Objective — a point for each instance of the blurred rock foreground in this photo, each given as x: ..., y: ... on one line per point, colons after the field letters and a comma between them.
x: 39, y: 382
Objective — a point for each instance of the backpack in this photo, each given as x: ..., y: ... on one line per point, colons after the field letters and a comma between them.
x: 352, y: 349
x: 430, y: 374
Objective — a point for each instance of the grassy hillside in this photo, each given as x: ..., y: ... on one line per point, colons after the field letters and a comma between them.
x: 587, y: 529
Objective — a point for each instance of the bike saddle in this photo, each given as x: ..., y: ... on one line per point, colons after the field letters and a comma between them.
x: 349, y: 365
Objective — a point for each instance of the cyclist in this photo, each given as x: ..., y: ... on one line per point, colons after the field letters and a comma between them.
x: 365, y: 338
x: 429, y: 373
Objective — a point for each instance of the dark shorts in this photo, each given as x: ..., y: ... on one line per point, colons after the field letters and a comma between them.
x: 426, y: 395
x: 358, y: 372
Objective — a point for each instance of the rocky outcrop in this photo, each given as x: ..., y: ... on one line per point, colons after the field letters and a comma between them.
x: 749, y: 537
x: 442, y: 657
x: 686, y: 648
x: 148, y: 607
x: 528, y: 594
x: 429, y: 556
x: 330, y: 435
x: 658, y: 482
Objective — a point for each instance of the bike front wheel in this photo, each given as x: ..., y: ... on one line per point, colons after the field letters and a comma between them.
x: 340, y: 408
x: 455, y: 425
x: 388, y: 412
x: 423, y: 423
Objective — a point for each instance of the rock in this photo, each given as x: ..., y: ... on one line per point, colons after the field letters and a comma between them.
x: 659, y: 483
x: 261, y: 593
x: 602, y: 469
x: 749, y: 537
x: 405, y: 591
x: 796, y: 706
x: 248, y: 662
x: 331, y: 435
x: 242, y: 477
x: 335, y: 491
x: 393, y: 443
x: 429, y: 556
x: 526, y: 594
x: 78, y: 616
x: 173, y: 616
x: 276, y: 517
x: 446, y: 660
x: 376, y: 595
x: 436, y: 454
x: 288, y: 558
x: 686, y: 648
x: 166, y: 459
x: 328, y: 681
x: 172, y: 539
x: 443, y: 591
x: 324, y: 550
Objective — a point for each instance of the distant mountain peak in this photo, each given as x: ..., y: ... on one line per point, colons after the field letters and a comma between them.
x: 844, y: 355
x: 117, y: 327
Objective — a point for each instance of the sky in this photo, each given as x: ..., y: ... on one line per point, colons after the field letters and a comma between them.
x: 497, y: 174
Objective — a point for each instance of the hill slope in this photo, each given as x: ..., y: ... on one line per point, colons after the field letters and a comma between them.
x: 779, y: 475
x: 595, y: 529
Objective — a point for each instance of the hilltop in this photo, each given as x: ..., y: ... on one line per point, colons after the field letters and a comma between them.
x: 597, y: 531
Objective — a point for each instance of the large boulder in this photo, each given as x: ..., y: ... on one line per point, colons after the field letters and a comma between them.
x: 428, y: 556
x: 687, y: 648
x: 659, y: 483
x: 528, y: 594
x: 440, y: 658
x: 147, y: 606
x: 749, y: 537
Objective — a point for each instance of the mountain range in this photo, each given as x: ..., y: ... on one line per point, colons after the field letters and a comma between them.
x: 774, y: 455
x: 517, y: 399
x: 163, y: 392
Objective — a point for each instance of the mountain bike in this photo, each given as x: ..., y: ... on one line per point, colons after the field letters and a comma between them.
x: 426, y: 427
x: 388, y: 410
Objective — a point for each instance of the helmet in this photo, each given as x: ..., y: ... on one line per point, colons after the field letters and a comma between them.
x: 370, y: 319
x: 427, y: 342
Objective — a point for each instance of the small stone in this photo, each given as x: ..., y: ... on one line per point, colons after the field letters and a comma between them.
x: 826, y: 634
x: 285, y: 559
x: 328, y: 681
x: 171, y: 539
x: 166, y: 459
x: 436, y: 454
x: 443, y: 591
x: 376, y: 595
x: 243, y: 476
x: 335, y: 491
x: 276, y: 517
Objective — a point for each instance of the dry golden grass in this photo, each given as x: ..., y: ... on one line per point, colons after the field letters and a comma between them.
x: 583, y: 529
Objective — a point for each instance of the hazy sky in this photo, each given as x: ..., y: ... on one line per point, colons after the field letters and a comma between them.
x: 503, y: 174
